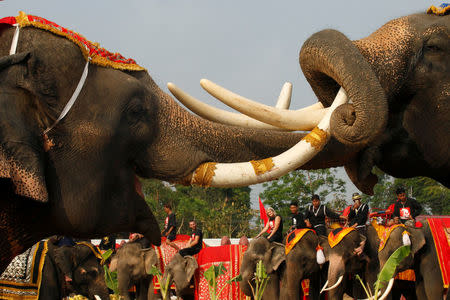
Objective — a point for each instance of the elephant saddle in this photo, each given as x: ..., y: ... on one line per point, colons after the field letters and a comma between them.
x: 336, y: 236
x: 22, y: 278
x: 440, y: 230
x: 98, y: 55
x: 294, y: 237
x: 231, y: 257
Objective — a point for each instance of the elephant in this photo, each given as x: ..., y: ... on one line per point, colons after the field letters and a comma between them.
x: 273, y: 256
x: 87, y: 273
x: 133, y: 264
x: 181, y: 270
x: 74, y: 172
x: 302, y: 262
x: 422, y: 259
x: 344, y: 260
x: 397, y: 79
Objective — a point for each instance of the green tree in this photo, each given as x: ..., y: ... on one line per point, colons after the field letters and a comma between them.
x: 434, y: 197
x: 219, y: 211
x: 299, y: 186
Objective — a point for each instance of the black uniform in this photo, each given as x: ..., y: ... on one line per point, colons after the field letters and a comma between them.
x: 410, y: 208
x: 297, y: 221
x: 197, y: 247
x: 359, y: 216
x: 170, y: 222
x: 317, y: 218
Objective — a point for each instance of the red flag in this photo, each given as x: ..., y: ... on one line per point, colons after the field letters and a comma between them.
x: 262, y: 212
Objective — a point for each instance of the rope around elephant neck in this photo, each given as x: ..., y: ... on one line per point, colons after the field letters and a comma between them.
x: 75, y: 94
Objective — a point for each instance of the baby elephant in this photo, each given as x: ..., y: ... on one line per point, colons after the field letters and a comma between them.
x: 60, y: 270
x: 133, y: 264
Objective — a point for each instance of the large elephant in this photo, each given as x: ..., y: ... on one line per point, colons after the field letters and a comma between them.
x: 422, y: 259
x: 397, y: 79
x: 344, y: 261
x: 133, y: 264
x: 302, y: 263
x: 273, y: 256
x: 79, y: 177
x: 81, y: 260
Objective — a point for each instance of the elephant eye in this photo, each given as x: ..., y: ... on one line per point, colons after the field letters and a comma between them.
x: 432, y: 47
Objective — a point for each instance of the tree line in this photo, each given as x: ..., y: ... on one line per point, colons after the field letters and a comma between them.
x: 227, y: 211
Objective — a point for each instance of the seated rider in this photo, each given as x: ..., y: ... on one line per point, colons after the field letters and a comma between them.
x: 297, y: 219
x: 315, y: 216
x: 358, y: 215
x: 274, y: 227
x: 195, y: 242
x: 405, y: 209
x: 170, y: 227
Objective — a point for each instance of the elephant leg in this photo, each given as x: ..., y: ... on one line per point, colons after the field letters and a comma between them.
x: 142, y: 289
x: 314, y: 286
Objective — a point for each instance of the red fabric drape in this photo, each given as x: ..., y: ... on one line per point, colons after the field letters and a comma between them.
x: 262, y: 212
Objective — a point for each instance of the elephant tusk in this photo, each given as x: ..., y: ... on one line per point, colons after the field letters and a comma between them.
x: 253, y: 172
x: 284, y: 100
x: 302, y: 119
x: 218, y: 115
x: 335, y: 285
x: 324, y: 287
x: 97, y: 297
x: 388, y: 289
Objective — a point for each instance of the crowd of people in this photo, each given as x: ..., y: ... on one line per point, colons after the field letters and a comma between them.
x: 403, y: 210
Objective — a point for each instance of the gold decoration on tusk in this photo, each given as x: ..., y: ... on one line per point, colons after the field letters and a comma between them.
x: 203, y: 174
x: 262, y: 166
x: 317, y: 138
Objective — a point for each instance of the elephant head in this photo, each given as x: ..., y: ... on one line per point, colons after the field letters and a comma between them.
x: 302, y: 262
x: 77, y: 176
x: 181, y: 270
x: 272, y: 255
x: 133, y: 264
x: 354, y: 254
x: 397, y: 80
x: 81, y: 263
x: 423, y: 258
x: 402, y: 236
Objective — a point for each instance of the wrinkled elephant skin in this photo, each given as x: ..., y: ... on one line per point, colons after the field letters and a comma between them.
x: 423, y: 260
x: 133, y: 264
x: 80, y: 180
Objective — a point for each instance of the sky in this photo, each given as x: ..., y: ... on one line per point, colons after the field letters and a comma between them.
x: 248, y: 46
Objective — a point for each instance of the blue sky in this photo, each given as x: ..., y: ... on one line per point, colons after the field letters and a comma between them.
x: 248, y: 46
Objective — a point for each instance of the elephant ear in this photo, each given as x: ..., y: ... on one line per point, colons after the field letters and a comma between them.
x: 150, y: 259
x: 417, y: 240
x: 64, y: 258
x: 21, y: 147
x: 190, y: 265
x: 274, y: 257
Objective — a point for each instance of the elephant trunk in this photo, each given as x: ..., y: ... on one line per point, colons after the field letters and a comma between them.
x: 336, y: 272
x: 98, y: 288
x: 329, y: 61
x: 245, y: 283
